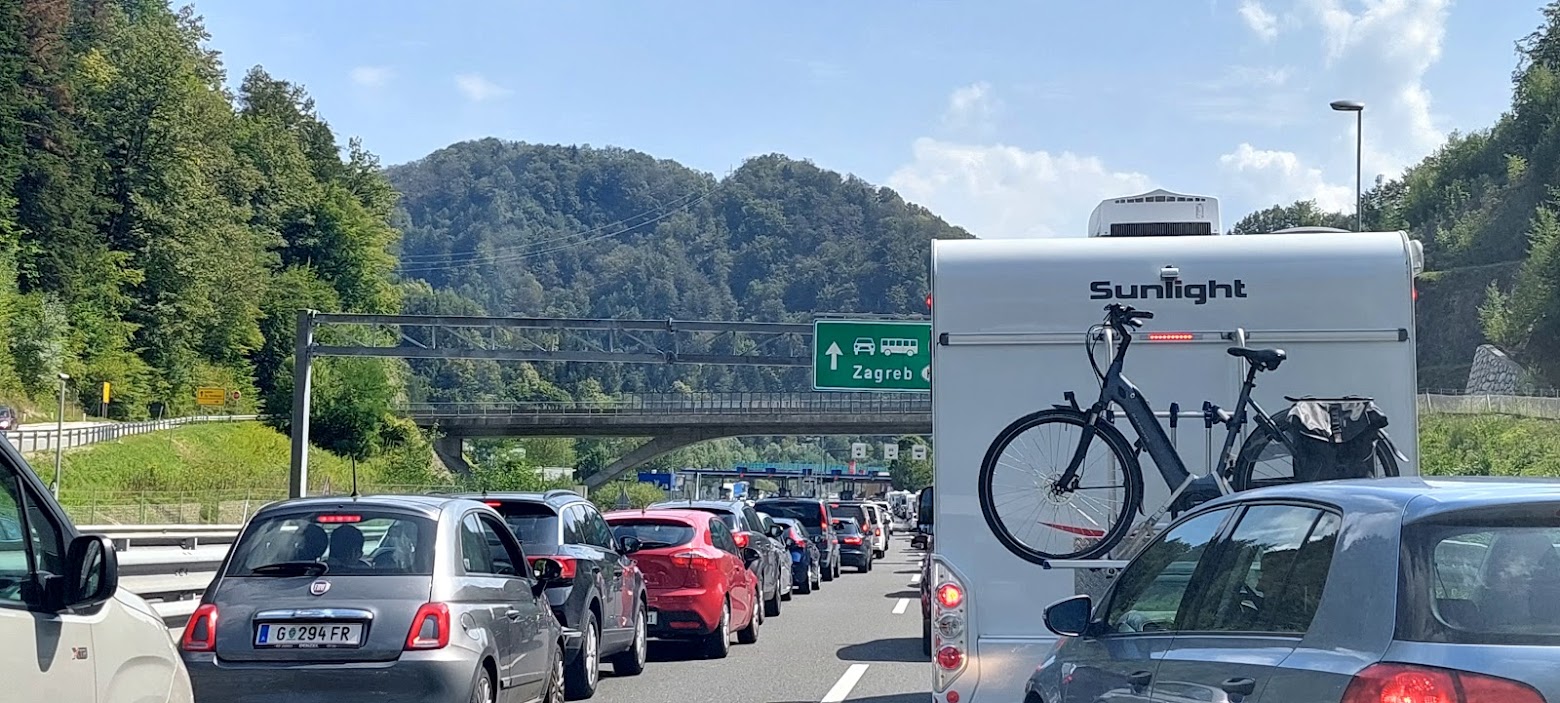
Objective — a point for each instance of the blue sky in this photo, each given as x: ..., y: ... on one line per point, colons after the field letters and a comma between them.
x: 1012, y: 118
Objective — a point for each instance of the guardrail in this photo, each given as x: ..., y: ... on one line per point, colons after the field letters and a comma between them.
x: 168, y: 565
x: 1519, y: 405
x: 46, y: 440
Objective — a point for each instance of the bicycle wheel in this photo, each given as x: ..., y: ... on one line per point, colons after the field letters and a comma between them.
x: 1265, y: 462
x: 1024, y: 512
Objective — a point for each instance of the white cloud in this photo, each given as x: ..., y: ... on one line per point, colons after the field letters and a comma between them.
x: 1279, y: 177
x: 971, y: 107
x: 1262, y: 22
x: 477, y: 88
x: 1000, y: 191
x: 1258, y: 95
x: 372, y: 76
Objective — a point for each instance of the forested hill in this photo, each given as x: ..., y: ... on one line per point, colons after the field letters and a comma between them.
x: 510, y: 228
x: 1485, y: 207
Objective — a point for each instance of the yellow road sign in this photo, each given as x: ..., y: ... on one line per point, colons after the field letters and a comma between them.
x: 210, y: 396
x: 106, y: 387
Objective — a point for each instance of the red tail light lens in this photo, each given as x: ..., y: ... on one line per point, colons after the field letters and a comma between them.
x: 566, y: 564
x: 850, y: 540
x: 1403, y: 683
x: 692, y: 560
x: 951, y: 658
x: 430, y: 627
x: 949, y: 596
x: 200, y: 633
x: 337, y: 519
x: 742, y: 539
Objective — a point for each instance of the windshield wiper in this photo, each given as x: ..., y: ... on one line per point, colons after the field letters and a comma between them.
x: 652, y: 544
x: 291, y: 568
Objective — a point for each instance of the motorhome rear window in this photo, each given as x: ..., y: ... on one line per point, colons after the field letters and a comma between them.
x: 1482, y: 582
x: 356, y: 542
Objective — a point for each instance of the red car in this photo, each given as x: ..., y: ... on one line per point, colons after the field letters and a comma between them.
x: 699, y: 581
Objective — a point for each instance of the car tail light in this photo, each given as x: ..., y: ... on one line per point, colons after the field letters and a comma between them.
x: 565, y: 564
x: 1406, y: 683
x: 200, y: 633
x: 850, y: 540
x: 430, y: 627
x: 950, y: 637
x: 692, y: 560
x: 337, y: 519
x: 742, y: 539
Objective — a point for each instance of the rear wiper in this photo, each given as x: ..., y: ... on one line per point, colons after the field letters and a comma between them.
x: 291, y: 568
x: 651, y: 544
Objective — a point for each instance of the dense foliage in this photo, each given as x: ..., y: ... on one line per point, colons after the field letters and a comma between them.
x: 1485, y: 205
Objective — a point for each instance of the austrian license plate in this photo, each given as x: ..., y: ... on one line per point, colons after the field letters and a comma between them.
x: 309, y: 634
x: 650, y: 617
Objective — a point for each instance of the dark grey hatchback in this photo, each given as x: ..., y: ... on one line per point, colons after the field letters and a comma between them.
x: 377, y: 598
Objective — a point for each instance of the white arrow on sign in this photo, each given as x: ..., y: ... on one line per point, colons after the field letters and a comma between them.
x: 834, y: 355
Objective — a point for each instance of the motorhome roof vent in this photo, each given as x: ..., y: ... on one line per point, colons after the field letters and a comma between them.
x: 1157, y: 213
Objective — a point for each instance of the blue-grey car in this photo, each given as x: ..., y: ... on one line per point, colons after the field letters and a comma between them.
x: 1366, y: 591
x: 380, y: 598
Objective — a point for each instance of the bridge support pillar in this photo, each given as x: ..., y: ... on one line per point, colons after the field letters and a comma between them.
x: 656, y: 447
x: 450, y: 452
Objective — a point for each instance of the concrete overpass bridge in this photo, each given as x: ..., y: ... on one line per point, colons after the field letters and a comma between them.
x: 674, y: 421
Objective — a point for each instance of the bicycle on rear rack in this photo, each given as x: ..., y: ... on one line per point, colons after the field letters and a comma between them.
x: 1015, y: 493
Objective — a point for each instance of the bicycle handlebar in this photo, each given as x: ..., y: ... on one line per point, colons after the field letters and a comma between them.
x: 1118, y: 315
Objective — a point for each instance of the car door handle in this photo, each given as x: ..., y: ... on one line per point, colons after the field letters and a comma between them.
x: 512, y: 614
x: 1140, y: 678
x: 1239, y: 687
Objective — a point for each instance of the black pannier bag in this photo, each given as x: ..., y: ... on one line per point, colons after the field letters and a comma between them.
x: 1333, y: 438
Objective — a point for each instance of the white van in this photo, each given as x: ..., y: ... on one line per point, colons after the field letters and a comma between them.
x: 1009, y: 333
x: 71, y: 634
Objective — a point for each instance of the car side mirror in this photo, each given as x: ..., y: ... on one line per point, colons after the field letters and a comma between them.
x: 1069, y: 617
x: 548, y: 573
x: 628, y: 544
x: 750, y: 558
x: 776, y: 531
x: 91, y: 572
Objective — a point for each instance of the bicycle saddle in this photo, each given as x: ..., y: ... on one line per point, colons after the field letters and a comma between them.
x: 1263, y: 359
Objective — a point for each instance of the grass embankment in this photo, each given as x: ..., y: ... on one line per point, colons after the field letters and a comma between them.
x: 1488, y: 445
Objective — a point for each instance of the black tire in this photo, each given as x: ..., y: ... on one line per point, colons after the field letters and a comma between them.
x: 555, y: 685
x: 772, y: 606
x: 1115, y: 443
x: 749, y: 634
x: 581, y: 675
x: 631, y: 662
x: 1258, y: 441
x: 482, y: 688
x: 926, y: 637
x: 717, y: 644
x: 828, y: 571
x: 807, y: 583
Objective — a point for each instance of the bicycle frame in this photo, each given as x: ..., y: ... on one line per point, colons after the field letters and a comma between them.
x: 1152, y: 439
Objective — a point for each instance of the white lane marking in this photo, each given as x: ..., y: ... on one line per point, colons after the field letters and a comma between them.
x: 842, y: 688
x: 915, y: 580
x: 899, y: 608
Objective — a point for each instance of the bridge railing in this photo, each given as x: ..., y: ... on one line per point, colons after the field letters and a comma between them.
x: 711, y: 403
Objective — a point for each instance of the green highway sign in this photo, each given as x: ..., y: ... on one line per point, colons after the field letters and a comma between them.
x: 872, y: 355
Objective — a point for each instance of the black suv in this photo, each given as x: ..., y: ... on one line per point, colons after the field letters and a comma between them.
x: 604, y: 597
x: 774, y: 577
x: 819, y: 523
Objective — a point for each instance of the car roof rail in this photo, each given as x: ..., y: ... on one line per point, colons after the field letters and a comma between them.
x: 561, y: 493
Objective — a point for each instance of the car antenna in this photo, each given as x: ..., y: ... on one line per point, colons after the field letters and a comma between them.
x: 354, y: 476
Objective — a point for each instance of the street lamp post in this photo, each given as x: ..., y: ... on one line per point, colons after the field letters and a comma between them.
x: 1358, y: 108
x: 59, y: 436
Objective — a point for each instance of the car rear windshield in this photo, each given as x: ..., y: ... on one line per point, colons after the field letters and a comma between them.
x: 532, y: 523
x: 847, y: 510
x: 1494, y: 580
x: 810, y: 515
x: 360, y: 542
x: 850, y: 528
x: 653, y: 534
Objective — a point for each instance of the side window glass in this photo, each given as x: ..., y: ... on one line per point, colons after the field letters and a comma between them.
x: 750, y: 517
x: 506, y: 555
x: 14, y: 547
x: 600, y: 532
x: 1269, y: 576
x: 1149, y: 591
x: 722, y: 536
x: 475, y: 554
x: 573, y: 532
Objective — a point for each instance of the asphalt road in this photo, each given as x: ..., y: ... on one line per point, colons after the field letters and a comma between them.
x: 844, y: 642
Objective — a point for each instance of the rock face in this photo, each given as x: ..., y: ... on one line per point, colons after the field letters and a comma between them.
x: 1495, y: 373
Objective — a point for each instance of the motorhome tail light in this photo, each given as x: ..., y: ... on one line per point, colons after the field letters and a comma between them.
x: 950, y: 596
x: 1171, y: 337
x: 430, y: 627
x: 200, y: 633
x: 950, y: 636
x: 742, y: 539
x: 566, y: 565
x: 1405, y: 683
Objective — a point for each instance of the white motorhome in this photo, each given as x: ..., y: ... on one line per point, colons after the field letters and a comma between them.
x: 1008, y: 339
